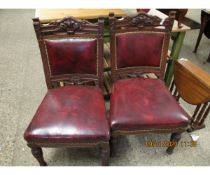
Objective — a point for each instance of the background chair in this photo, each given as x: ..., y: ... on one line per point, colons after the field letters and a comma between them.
x: 142, y: 105
x: 70, y: 116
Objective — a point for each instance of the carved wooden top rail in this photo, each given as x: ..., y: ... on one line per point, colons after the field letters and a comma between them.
x: 142, y: 20
x: 67, y: 25
x: 192, y: 83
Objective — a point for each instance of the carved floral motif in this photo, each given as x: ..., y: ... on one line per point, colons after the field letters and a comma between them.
x: 70, y: 25
x: 145, y: 20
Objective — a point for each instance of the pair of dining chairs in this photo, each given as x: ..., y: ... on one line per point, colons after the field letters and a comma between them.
x: 73, y: 114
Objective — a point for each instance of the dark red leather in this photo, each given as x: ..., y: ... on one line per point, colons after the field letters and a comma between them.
x: 139, y: 49
x: 67, y: 56
x: 140, y: 103
x: 70, y: 114
x: 143, y: 10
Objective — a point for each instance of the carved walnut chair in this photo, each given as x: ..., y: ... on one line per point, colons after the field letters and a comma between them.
x: 72, y: 113
x: 140, y: 105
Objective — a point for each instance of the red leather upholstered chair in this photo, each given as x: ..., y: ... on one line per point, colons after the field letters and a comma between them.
x: 139, y: 105
x: 72, y: 113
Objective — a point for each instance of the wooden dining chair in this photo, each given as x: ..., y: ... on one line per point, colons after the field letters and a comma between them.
x: 72, y: 113
x: 141, y: 105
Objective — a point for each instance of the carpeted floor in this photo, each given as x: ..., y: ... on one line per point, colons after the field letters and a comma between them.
x: 22, y: 88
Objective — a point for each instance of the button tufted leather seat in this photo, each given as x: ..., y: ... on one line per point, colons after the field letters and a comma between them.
x: 144, y: 104
x: 70, y: 114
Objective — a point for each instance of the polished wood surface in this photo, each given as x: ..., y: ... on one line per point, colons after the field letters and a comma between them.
x: 192, y: 83
x: 48, y: 15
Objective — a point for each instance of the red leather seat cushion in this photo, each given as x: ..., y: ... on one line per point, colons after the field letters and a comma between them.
x: 71, y: 113
x: 141, y: 103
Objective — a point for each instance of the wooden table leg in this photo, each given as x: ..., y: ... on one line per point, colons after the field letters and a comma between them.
x: 203, y: 24
x: 180, y: 16
x: 175, y: 51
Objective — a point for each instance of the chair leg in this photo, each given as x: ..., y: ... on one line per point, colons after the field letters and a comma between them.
x: 105, y: 152
x: 38, y: 154
x: 175, y: 137
x: 203, y: 24
x: 208, y: 58
x: 112, y: 140
x: 198, y: 41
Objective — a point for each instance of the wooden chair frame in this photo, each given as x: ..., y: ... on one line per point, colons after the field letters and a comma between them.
x: 65, y: 28
x: 142, y: 23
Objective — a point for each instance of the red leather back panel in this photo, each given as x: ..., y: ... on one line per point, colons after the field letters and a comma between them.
x: 139, y: 49
x: 72, y: 55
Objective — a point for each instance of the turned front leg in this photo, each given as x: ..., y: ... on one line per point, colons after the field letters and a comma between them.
x: 38, y: 154
x: 175, y: 137
x: 105, y: 152
x: 112, y: 142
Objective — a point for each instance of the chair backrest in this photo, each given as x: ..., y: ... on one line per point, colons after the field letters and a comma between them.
x: 71, y: 51
x: 139, y: 44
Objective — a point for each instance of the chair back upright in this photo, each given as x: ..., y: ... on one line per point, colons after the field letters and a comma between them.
x: 139, y: 45
x: 71, y: 51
